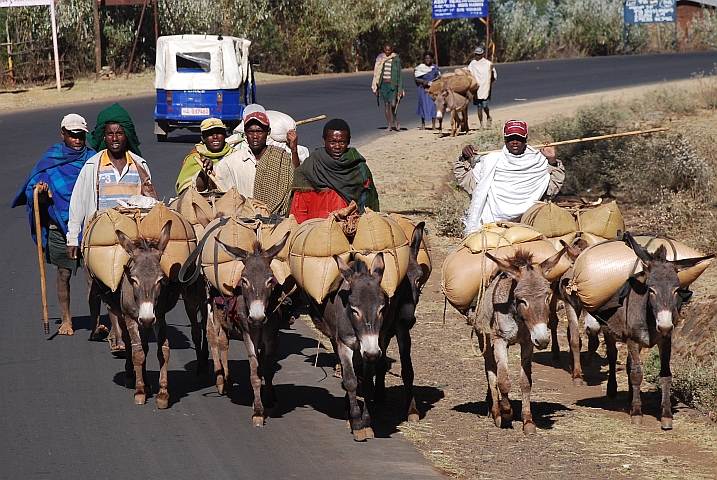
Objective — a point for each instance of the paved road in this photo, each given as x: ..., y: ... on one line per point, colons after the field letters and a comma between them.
x: 64, y: 411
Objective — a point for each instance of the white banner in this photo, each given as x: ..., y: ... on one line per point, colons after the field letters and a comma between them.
x: 24, y: 3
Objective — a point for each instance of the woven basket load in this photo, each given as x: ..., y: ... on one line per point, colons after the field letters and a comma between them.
x: 500, y: 234
x: 270, y: 234
x: 182, y: 238
x: 183, y: 204
x: 376, y: 233
x: 103, y: 254
x: 222, y: 271
x: 228, y: 204
x: 603, y: 221
x: 550, y: 219
x: 601, y: 270
x: 460, y: 84
x: 311, y: 256
x: 465, y: 273
x: 253, y: 208
x: 425, y: 260
x: 556, y: 241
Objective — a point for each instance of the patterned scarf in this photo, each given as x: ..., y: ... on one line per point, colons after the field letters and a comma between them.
x: 274, y: 177
x: 191, y: 166
x: 349, y: 176
x: 111, y: 114
x: 378, y: 70
x: 59, y: 168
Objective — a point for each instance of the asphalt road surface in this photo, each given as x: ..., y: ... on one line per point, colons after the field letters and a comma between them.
x: 64, y: 412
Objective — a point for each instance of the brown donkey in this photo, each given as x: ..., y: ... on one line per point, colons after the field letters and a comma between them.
x: 645, y: 318
x: 514, y: 310
x: 256, y: 307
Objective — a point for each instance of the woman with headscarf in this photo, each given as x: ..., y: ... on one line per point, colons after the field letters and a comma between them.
x: 424, y: 74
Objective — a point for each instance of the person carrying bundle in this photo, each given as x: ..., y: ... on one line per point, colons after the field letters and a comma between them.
x: 213, y: 146
x: 504, y: 184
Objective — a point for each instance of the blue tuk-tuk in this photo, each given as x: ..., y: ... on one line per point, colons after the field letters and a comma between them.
x: 201, y: 76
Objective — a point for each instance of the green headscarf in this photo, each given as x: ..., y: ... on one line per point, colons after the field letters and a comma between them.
x: 114, y: 114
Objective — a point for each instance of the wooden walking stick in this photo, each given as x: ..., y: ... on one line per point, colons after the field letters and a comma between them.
x: 40, y: 259
x: 587, y: 139
x: 309, y: 120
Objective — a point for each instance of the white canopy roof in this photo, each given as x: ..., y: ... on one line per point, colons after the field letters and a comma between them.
x: 228, y: 64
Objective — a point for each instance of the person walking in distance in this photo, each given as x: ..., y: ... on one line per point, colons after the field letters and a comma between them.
x: 387, y: 83
x: 483, y: 71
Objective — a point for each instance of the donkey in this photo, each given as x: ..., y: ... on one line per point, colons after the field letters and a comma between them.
x: 144, y: 297
x: 645, y: 318
x: 455, y: 104
x: 400, y: 319
x: 515, y: 310
x: 352, y: 318
x: 575, y: 313
x: 255, y: 309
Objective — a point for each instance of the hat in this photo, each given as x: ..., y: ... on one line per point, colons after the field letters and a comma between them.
x: 253, y: 107
x: 478, y: 51
x: 260, y: 117
x: 210, y: 123
x: 515, y: 127
x: 74, y: 123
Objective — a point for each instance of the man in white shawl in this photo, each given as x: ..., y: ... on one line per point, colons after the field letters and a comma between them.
x: 503, y: 185
x: 483, y: 71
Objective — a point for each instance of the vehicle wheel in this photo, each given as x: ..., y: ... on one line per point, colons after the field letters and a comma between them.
x: 161, y: 137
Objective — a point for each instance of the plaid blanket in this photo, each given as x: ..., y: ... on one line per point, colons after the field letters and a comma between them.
x: 59, y: 168
x: 274, y: 177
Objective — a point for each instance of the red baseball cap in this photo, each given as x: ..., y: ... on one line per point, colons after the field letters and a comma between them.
x: 260, y: 117
x: 515, y: 127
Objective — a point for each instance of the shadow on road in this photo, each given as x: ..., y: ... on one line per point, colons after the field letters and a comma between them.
x: 592, y: 374
x: 544, y: 413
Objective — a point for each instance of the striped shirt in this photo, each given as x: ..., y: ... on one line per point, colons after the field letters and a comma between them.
x: 387, y: 70
x: 113, y: 185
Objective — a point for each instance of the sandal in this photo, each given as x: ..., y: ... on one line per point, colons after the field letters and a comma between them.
x: 100, y: 333
x: 117, y: 350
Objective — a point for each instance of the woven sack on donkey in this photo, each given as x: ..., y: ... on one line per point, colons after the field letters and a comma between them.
x: 550, y: 219
x: 377, y: 233
x: 182, y: 238
x: 425, y: 260
x: 311, y: 256
x: 604, y: 221
x: 103, y: 254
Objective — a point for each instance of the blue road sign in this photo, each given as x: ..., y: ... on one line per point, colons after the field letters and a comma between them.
x: 460, y: 9
x: 650, y: 11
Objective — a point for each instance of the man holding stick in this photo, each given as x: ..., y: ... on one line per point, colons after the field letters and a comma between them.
x: 504, y: 184
x: 213, y: 147
x: 54, y: 177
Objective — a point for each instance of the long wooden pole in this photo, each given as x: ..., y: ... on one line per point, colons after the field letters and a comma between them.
x: 136, y: 38
x: 309, y: 120
x: 40, y: 259
x: 588, y: 139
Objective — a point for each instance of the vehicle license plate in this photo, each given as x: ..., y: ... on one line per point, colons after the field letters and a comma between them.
x: 195, y: 111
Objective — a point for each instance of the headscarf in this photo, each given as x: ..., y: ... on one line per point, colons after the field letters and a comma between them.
x: 114, y: 113
x: 349, y: 176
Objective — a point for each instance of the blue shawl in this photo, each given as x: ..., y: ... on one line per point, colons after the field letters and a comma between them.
x: 59, y: 168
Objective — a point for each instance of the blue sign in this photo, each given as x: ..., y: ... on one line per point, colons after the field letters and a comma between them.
x: 460, y: 8
x: 650, y: 11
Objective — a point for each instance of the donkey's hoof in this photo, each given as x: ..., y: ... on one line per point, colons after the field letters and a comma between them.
x: 162, y: 401
x: 578, y: 382
x: 369, y: 432
x: 257, y: 420
x: 360, y: 435
x: 529, y: 428
x: 413, y: 417
x: 140, y: 398
x: 666, y: 423
x: 636, y: 419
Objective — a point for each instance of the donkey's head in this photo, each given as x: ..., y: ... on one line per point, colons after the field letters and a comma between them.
x: 531, y: 293
x: 660, y: 282
x: 257, y: 279
x: 365, y: 302
x: 144, y: 272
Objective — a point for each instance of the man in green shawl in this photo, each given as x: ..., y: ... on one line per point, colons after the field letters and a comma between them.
x: 213, y: 147
x: 332, y: 177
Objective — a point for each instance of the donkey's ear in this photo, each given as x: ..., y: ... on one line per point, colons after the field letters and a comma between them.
x: 575, y: 250
x: 344, y: 268
x: 164, y: 236
x: 505, y: 266
x: 201, y: 216
x: 686, y: 263
x: 417, y: 239
x: 378, y: 266
x: 548, y: 264
x: 125, y: 241
x: 278, y: 246
x: 235, y: 252
x: 641, y: 253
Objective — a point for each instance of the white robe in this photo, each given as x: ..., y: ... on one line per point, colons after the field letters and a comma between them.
x: 482, y: 70
x: 508, y: 185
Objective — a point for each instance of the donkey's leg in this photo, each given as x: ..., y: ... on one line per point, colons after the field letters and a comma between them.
x: 381, y: 368
x: 553, y: 323
x: 611, y: 348
x: 592, y: 329
x: 664, y: 344
x: 403, y: 337
x: 251, y: 340
x: 270, y: 338
x: 350, y: 383
x: 526, y: 384
x: 194, y: 302
x: 160, y: 331
x: 575, y: 343
x: 369, y: 370
x: 634, y: 368
x: 213, y: 331
x: 138, y: 359
x: 491, y: 373
x: 500, y: 352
